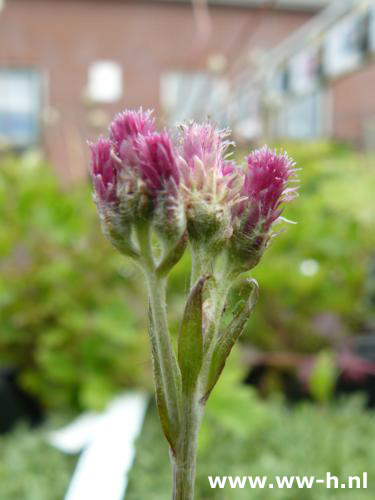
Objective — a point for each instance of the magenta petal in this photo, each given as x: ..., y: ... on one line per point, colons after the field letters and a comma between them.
x: 158, y: 161
x: 127, y: 125
x: 103, y: 170
x: 266, y: 186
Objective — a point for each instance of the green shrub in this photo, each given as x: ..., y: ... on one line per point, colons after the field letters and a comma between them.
x: 71, y: 313
x: 69, y: 305
x: 244, y: 436
x: 241, y: 436
x: 30, y: 468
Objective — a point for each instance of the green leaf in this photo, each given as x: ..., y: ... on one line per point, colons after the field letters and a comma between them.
x: 323, y: 377
x: 190, y: 340
x: 173, y: 256
x: 231, y: 334
x: 161, y: 403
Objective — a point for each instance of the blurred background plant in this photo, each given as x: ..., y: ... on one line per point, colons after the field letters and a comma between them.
x: 70, y: 318
x: 257, y: 437
x: 72, y: 325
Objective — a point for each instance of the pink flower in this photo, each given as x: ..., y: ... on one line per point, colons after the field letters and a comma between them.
x: 210, y: 182
x: 126, y: 127
x: 266, y: 185
x: 104, y: 170
x: 136, y: 176
x: 207, y: 173
x: 265, y: 188
x: 157, y: 161
x: 133, y: 151
x: 205, y: 143
x: 142, y: 150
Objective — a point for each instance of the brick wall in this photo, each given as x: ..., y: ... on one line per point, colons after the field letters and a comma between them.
x: 353, y: 106
x: 63, y: 37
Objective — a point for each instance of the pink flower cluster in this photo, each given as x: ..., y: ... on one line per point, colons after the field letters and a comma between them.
x: 136, y: 149
x: 194, y: 169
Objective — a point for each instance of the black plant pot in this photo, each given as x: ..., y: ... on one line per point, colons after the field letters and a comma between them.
x: 16, y: 404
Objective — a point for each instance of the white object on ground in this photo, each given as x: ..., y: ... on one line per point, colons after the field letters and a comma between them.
x: 108, y: 442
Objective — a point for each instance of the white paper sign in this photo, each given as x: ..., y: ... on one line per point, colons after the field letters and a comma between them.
x: 108, y: 441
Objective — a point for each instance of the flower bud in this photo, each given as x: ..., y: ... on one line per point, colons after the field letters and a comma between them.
x: 211, y: 183
x: 125, y: 131
x: 264, y: 190
x: 136, y: 179
x: 159, y: 171
x: 125, y: 128
x: 104, y: 172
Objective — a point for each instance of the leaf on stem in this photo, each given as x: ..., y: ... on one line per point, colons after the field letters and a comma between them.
x: 190, y: 340
x: 231, y: 334
x: 165, y: 420
x: 173, y: 256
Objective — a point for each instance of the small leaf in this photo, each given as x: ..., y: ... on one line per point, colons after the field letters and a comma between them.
x: 190, y: 340
x: 173, y: 256
x: 231, y: 335
x: 161, y: 403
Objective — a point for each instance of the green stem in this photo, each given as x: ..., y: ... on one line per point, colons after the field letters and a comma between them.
x: 184, y: 462
x: 162, y: 345
x: 201, y: 263
x: 166, y: 355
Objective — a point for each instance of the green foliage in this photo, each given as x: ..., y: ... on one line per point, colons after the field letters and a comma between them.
x: 31, y: 469
x: 190, y: 339
x: 324, y: 376
x: 318, y: 268
x: 231, y: 333
x: 72, y: 309
x: 70, y: 306
x: 243, y: 436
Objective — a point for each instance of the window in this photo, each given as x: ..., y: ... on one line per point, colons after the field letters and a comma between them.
x: 372, y: 29
x: 303, y: 118
x: 305, y: 70
x: 20, y: 106
x: 346, y: 45
x: 105, y: 81
x: 191, y: 95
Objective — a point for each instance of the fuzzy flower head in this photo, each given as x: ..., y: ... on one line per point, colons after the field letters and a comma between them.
x: 209, y: 180
x: 160, y: 173
x: 115, y: 162
x: 266, y: 187
x: 135, y: 176
x: 104, y: 168
x: 126, y: 128
x: 157, y: 161
x: 141, y: 176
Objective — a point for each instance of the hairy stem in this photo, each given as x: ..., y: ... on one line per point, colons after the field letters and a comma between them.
x: 164, y: 349
x: 184, y: 462
x: 201, y: 263
x: 162, y: 345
